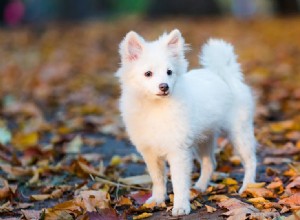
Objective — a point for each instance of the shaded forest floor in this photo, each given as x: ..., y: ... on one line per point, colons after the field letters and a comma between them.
x: 64, y: 152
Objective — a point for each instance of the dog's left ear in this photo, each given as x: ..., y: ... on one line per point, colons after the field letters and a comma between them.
x: 175, y: 43
x: 131, y: 48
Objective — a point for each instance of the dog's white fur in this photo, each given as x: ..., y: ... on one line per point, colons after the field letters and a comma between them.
x: 200, y: 105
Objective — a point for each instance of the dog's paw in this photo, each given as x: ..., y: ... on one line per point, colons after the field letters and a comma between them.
x: 242, y: 189
x: 181, y: 210
x: 201, y: 187
x: 156, y: 200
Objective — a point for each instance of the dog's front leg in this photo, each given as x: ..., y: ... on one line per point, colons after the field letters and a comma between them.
x: 181, y: 164
x: 156, y: 168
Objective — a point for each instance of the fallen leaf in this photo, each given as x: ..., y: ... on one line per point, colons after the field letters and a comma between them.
x: 116, y: 160
x: 6, y: 207
x: 276, y: 160
x: 124, y: 201
x: 40, y: 197
x: 229, y: 181
x: 218, y: 198
x: 239, y: 210
x: 294, y: 186
x: 293, y: 200
x: 210, y: 209
x: 259, y: 192
x: 256, y: 185
x: 75, y: 145
x: 142, y: 216
x: 31, y: 214
x: 140, y: 197
x: 136, y: 180
x: 23, y: 141
x: 235, y: 160
x: 15, y: 171
x: 89, y: 200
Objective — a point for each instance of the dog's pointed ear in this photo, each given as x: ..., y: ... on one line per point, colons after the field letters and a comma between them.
x: 131, y: 47
x: 175, y: 43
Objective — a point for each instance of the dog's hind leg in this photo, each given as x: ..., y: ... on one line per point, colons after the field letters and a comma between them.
x: 243, y: 140
x: 205, y: 154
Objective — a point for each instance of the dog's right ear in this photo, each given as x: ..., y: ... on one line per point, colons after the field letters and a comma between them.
x: 131, y: 47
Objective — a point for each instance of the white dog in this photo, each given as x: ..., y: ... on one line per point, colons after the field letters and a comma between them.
x: 172, y: 115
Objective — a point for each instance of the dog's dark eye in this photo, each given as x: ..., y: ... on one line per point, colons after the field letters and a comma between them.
x: 169, y: 72
x: 148, y: 74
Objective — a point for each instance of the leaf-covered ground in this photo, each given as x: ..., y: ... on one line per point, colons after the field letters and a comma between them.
x: 64, y: 153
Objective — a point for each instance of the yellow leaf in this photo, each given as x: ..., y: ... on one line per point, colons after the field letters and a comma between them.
x: 149, y: 205
x: 124, y: 201
x: 256, y: 185
x: 229, y: 181
x: 115, y: 160
x: 218, y: 198
x: 235, y: 160
x: 142, y: 216
x: 257, y: 200
x: 23, y: 141
x: 41, y: 197
x: 171, y: 196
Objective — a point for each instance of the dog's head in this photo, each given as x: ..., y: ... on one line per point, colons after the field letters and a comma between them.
x: 152, y: 68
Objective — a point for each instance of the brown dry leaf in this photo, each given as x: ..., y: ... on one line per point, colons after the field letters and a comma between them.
x: 239, y: 210
x: 88, y: 169
x: 5, y: 191
x: 63, y: 210
x: 235, y: 160
x: 259, y: 192
x: 293, y: 200
x: 210, y: 209
x: 16, y: 171
x: 91, y: 200
x: 140, y: 197
x: 194, y: 194
x: 124, y: 201
x: 218, y: 198
x: 6, y: 207
x: 31, y: 214
x: 142, y: 216
x: 276, y: 184
x: 294, y: 186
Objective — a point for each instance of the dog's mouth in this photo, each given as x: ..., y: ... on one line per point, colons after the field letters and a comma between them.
x: 163, y: 94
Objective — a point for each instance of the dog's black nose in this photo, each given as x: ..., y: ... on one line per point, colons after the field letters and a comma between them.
x: 163, y: 87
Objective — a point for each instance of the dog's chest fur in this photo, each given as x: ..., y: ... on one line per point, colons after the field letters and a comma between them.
x: 161, y: 125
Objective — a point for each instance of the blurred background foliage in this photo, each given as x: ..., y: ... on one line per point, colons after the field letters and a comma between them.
x: 16, y: 12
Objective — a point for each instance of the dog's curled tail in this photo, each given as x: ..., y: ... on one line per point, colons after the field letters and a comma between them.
x: 219, y: 57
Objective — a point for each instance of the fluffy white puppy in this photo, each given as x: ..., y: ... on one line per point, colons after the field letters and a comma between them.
x: 174, y: 115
